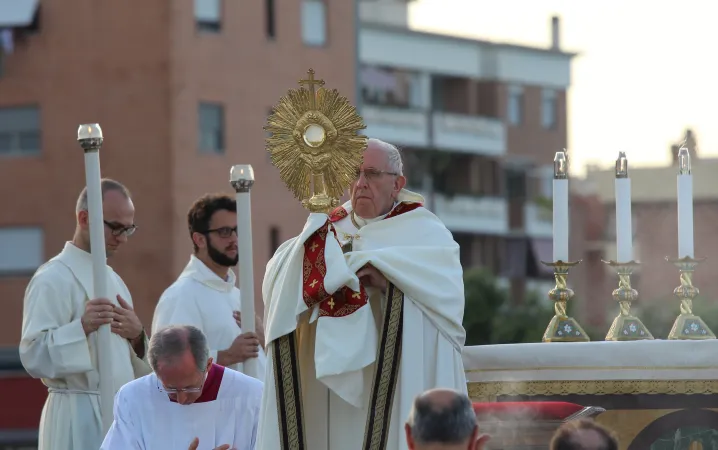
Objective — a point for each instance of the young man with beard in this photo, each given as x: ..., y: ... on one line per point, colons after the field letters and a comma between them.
x: 205, y: 295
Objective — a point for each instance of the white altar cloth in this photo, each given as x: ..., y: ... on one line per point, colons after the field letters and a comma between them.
x: 600, y: 360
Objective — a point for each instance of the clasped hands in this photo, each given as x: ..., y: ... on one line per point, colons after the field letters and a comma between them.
x: 122, y: 319
x: 370, y: 276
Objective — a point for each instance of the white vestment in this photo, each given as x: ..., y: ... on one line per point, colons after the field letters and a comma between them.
x: 338, y: 355
x: 146, y: 419
x: 54, y: 347
x: 199, y: 297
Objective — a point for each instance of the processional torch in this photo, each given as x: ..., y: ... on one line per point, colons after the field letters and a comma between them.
x: 90, y: 138
x: 241, y: 177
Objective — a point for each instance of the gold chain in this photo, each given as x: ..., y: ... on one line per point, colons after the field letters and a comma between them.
x: 351, y: 216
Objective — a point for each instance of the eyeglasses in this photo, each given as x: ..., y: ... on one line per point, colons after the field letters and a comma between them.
x: 118, y: 229
x: 223, y: 232
x: 372, y: 174
x: 189, y: 390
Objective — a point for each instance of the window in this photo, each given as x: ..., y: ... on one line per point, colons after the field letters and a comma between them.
x: 273, y: 240
x: 208, y: 15
x: 548, y: 108
x: 23, y: 250
x: 211, y: 128
x: 314, y: 22
x: 270, y: 19
x: 514, y: 111
x: 20, y: 131
x: 515, y: 184
x: 391, y: 87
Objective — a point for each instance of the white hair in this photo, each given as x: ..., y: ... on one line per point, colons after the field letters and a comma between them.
x: 393, y: 156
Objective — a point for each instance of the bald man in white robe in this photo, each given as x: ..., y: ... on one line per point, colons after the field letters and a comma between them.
x: 58, y: 343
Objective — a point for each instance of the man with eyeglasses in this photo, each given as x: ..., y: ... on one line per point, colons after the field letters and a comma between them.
x: 60, y: 317
x: 188, y: 402
x: 205, y: 294
x: 364, y: 312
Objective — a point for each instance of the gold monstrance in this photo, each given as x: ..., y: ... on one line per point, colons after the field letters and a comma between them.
x: 315, y: 144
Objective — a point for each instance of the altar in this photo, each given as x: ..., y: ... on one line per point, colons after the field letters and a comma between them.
x: 654, y: 392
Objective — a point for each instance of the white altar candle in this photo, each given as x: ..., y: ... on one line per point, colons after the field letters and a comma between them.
x: 90, y: 138
x: 685, y: 205
x: 560, y: 207
x: 241, y: 177
x: 624, y: 225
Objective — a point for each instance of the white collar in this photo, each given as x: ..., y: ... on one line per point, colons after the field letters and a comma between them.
x: 80, y: 264
x: 362, y: 221
x: 405, y: 195
x: 197, y: 270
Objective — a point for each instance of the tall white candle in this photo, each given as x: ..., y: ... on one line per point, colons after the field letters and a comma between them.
x: 624, y: 225
x: 242, y: 179
x: 90, y: 138
x: 560, y: 207
x: 685, y: 205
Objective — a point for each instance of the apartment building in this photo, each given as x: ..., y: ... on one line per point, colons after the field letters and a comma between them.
x: 479, y: 123
x: 182, y: 90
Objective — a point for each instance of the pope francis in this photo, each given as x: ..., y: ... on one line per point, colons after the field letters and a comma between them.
x: 364, y: 312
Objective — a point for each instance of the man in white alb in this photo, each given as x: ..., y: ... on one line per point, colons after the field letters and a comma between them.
x: 188, y: 402
x: 205, y: 295
x: 364, y: 312
x: 58, y: 342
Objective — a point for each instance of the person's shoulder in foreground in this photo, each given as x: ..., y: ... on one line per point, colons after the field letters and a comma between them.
x: 244, y: 385
x: 138, y: 389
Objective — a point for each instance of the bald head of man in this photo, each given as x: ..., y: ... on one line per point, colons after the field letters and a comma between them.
x: 583, y: 435
x: 443, y: 419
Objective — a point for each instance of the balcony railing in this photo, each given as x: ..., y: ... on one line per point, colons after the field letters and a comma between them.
x: 538, y: 220
x: 396, y: 125
x: 451, y: 132
x: 469, y: 214
x: 470, y: 134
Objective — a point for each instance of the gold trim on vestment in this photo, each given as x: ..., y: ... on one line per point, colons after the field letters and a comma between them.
x: 386, y: 372
x: 489, y: 391
x: 290, y: 413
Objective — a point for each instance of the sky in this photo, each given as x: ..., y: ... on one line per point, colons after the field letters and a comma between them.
x: 643, y: 75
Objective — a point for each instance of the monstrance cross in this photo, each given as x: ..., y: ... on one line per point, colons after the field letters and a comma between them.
x: 312, y: 82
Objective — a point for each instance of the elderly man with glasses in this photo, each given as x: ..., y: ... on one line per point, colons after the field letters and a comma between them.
x: 187, y: 402
x: 364, y: 312
x: 60, y: 317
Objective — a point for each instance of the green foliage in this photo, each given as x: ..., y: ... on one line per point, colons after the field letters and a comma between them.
x: 491, y: 318
x: 544, y: 202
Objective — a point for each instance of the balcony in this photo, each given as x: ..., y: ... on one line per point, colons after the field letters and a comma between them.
x: 469, y: 134
x: 399, y: 126
x: 538, y: 220
x: 452, y: 132
x: 394, y: 14
x: 469, y: 214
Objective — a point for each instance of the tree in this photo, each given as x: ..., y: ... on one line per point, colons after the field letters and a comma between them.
x: 490, y: 318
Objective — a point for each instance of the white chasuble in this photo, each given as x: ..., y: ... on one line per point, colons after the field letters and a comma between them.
x: 54, y: 348
x: 344, y: 362
x: 199, y: 297
x: 227, y: 412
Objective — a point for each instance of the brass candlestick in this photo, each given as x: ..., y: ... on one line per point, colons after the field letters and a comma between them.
x: 688, y: 326
x: 562, y: 328
x: 626, y: 326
